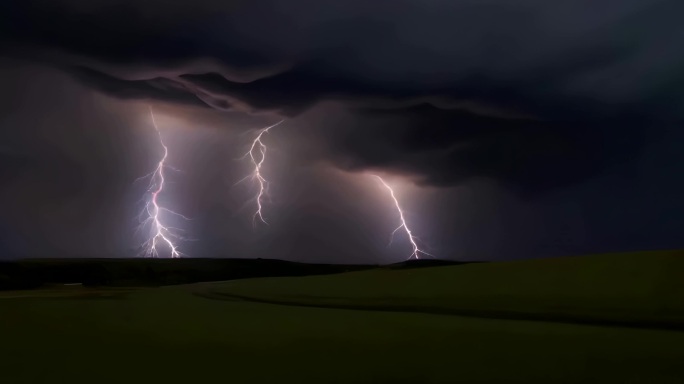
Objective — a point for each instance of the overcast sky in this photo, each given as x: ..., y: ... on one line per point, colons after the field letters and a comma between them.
x: 508, y: 129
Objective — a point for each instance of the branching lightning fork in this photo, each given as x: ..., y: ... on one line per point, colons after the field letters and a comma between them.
x: 257, y: 155
x: 159, y: 233
x: 403, y: 226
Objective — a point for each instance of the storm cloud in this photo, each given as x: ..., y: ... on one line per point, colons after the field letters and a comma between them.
x: 536, y: 95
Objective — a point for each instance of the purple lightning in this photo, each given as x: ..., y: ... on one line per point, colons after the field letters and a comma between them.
x: 159, y: 233
x: 257, y: 155
x: 414, y: 240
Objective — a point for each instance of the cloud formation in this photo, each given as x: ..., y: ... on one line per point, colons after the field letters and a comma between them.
x: 535, y: 94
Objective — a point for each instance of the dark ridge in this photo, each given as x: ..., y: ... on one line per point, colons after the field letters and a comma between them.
x: 35, y: 273
x: 423, y: 263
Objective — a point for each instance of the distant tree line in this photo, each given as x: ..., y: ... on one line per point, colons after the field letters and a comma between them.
x: 29, y: 274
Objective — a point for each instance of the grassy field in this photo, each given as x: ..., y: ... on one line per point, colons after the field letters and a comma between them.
x: 429, y: 325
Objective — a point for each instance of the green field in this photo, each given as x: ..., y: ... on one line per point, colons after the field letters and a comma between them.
x: 594, y: 319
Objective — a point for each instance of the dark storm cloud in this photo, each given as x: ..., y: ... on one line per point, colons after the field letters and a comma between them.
x: 447, y: 147
x: 63, y: 183
x: 159, y: 88
x: 593, y: 78
x: 12, y: 164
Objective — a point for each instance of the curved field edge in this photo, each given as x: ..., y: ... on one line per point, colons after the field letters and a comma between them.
x: 634, y: 289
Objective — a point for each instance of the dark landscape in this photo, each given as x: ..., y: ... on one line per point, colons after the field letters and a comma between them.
x: 36, y: 273
x: 30, y: 274
x: 533, y: 320
x: 341, y: 191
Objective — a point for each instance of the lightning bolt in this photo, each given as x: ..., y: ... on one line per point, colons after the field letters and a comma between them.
x: 413, y: 239
x: 159, y: 233
x: 257, y: 156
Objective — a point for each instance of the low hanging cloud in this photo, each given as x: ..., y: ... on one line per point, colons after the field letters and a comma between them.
x: 536, y: 94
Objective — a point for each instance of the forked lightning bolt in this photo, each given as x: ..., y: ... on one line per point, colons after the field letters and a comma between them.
x: 159, y: 233
x: 414, y: 240
x: 257, y: 155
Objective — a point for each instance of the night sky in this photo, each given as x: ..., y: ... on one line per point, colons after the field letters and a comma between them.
x: 509, y: 130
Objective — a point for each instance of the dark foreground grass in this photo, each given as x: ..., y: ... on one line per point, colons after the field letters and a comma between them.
x: 170, y: 335
x: 637, y: 290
